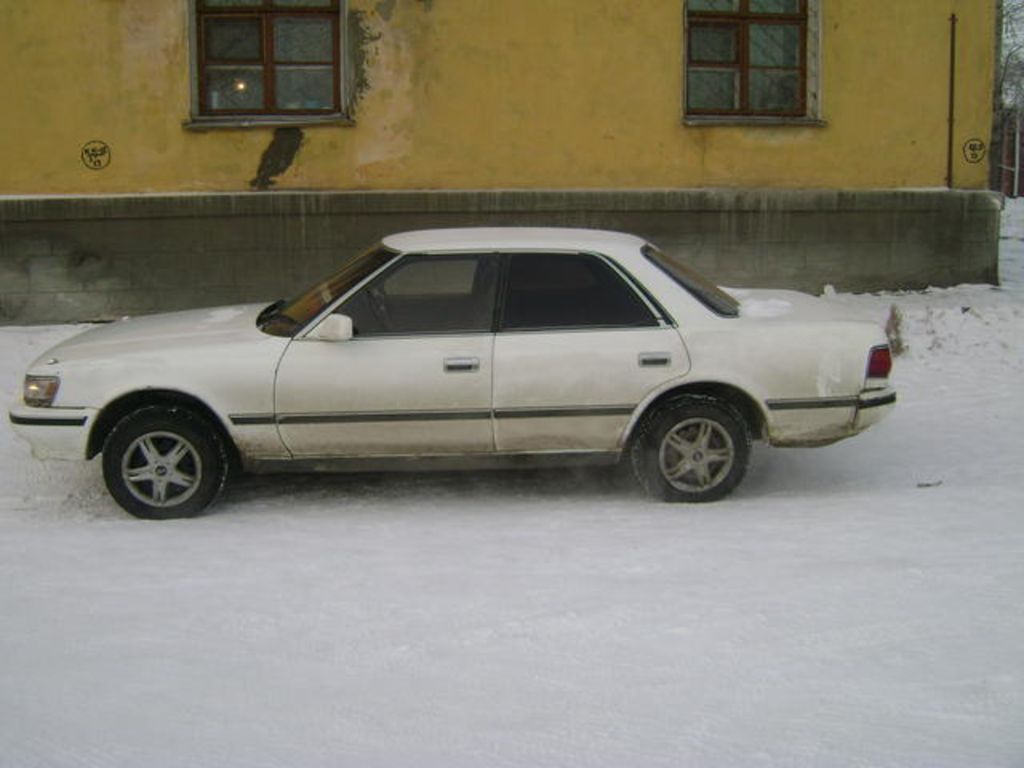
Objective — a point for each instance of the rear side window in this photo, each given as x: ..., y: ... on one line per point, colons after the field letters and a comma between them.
x: 569, y: 290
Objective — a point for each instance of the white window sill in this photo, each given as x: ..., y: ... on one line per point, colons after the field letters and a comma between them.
x: 752, y: 121
x: 264, y: 121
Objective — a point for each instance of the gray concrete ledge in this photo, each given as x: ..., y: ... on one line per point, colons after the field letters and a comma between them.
x: 80, y: 258
x: 51, y: 208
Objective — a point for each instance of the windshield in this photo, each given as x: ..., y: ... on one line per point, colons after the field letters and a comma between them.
x: 700, y: 287
x: 291, y: 316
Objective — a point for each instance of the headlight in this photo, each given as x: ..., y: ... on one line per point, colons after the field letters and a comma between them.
x: 40, y: 391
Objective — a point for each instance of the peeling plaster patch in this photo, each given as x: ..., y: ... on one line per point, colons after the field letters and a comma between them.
x: 390, y: 67
x: 385, y: 8
x: 383, y: 64
x: 362, y: 37
x: 278, y: 157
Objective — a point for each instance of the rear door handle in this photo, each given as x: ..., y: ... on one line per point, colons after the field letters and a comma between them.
x: 461, y: 364
x: 654, y: 359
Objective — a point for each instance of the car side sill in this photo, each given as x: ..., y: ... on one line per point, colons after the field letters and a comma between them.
x: 434, y: 463
x: 558, y: 412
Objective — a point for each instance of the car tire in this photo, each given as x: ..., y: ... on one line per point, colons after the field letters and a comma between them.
x: 162, y: 463
x: 692, y: 449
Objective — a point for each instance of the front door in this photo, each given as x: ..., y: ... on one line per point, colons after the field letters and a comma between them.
x: 416, y: 377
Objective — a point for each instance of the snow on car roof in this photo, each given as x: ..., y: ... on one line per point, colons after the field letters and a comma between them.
x: 510, y: 237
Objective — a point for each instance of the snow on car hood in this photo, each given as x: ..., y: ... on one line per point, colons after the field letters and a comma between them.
x: 191, y: 328
x: 768, y: 304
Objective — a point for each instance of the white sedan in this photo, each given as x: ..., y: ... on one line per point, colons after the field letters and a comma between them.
x: 462, y: 348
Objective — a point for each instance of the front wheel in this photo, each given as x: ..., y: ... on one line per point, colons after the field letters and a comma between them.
x: 164, y: 463
x: 693, y: 449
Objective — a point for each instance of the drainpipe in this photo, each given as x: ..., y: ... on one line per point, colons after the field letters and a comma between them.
x: 952, y: 96
x: 1016, y: 153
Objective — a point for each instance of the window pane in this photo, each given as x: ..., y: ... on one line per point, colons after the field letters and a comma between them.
x: 712, y: 89
x: 231, y: 3
x: 569, y: 291
x: 774, y: 90
x: 713, y: 43
x: 303, y: 40
x: 713, y: 5
x: 304, y: 87
x: 234, y: 88
x: 775, y: 45
x: 432, y: 277
x: 233, y: 39
x: 428, y: 295
x: 775, y: 6
x: 303, y: 3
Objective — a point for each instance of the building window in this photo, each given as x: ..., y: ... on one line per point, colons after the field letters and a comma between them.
x: 268, y: 58
x: 750, y: 58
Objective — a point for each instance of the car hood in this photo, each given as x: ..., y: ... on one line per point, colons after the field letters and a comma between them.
x: 189, y: 329
x: 785, y: 306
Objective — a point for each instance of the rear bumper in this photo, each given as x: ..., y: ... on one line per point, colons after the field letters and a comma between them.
x: 872, y: 407
x: 825, y: 420
x: 53, y: 433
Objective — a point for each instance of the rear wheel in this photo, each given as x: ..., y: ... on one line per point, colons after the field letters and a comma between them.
x: 693, y: 449
x: 162, y: 463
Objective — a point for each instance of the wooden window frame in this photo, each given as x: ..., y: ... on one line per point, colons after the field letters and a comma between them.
x: 265, y: 12
x: 742, y: 19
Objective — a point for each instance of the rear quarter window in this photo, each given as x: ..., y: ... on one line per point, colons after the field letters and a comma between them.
x: 694, y: 283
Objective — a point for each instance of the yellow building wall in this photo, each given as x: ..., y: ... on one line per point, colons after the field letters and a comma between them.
x: 493, y: 94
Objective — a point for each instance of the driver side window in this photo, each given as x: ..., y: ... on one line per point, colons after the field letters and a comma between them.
x: 427, y: 295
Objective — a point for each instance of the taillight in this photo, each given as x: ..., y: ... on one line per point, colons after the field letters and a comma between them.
x: 879, y: 362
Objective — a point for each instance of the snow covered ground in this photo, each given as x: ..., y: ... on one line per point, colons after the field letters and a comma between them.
x: 849, y: 606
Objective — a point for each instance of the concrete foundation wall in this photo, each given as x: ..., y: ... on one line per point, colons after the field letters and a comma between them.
x: 85, y: 258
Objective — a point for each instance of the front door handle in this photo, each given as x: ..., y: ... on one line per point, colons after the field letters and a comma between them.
x: 461, y: 364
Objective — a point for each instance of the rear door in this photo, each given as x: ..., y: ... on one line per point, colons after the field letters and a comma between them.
x: 578, y: 348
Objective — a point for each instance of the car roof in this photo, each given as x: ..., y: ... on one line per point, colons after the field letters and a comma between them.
x: 500, y: 238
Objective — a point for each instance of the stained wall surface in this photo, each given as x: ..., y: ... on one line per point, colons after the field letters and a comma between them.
x: 493, y: 94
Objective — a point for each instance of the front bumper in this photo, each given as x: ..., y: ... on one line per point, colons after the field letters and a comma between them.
x: 53, y: 433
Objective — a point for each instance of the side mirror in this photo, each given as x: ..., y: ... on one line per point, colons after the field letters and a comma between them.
x: 333, y: 328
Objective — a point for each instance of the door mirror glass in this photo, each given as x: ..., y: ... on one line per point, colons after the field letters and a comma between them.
x: 332, y: 328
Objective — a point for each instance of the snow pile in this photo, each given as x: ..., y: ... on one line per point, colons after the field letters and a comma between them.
x: 851, y: 605
x: 764, y: 307
x: 962, y: 326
